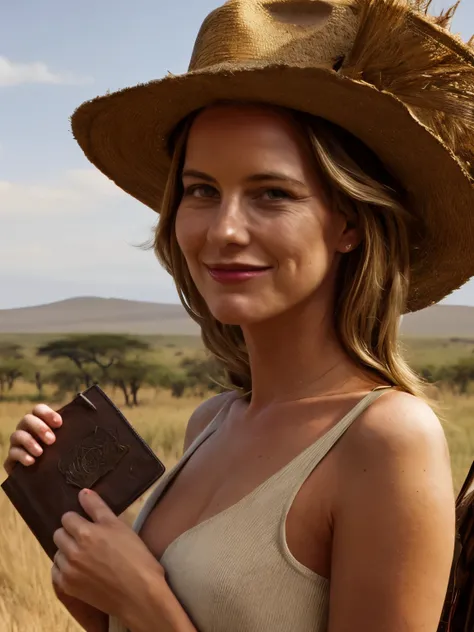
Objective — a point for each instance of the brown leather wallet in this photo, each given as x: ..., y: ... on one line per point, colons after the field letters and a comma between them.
x: 95, y: 448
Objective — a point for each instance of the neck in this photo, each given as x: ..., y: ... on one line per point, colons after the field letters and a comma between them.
x: 297, y: 356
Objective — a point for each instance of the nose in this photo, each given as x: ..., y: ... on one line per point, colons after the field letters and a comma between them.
x: 229, y: 225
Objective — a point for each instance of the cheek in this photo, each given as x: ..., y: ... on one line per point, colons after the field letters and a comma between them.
x: 189, y: 234
x: 301, y: 244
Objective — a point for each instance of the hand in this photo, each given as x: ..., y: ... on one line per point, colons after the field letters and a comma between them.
x: 25, y: 448
x: 90, y: 618
x: 34, y: 427
x: 103, y: 563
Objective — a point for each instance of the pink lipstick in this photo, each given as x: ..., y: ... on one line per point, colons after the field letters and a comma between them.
x: 235, y: 275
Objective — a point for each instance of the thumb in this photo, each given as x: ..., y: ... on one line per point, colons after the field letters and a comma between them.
x: 95, y: 507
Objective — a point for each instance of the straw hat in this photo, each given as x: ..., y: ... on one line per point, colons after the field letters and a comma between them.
x: 384, y: 70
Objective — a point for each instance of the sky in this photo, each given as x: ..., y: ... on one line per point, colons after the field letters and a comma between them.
x: 65, y: 230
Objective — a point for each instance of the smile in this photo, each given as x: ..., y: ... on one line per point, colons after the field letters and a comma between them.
x: 235, y: 275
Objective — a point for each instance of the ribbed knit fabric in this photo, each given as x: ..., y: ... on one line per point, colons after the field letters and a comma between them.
x: 234, y: 571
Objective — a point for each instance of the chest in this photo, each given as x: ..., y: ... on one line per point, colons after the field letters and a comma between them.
x: 231, y: 465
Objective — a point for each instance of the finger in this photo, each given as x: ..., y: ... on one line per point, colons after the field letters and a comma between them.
x: 38, y: 428
x: 95, y: 507
x: 57, y: 579
x: 76, y: 527
x: 47, y: 414
x: 23, y: 439
x: 60, y: 560
x: 17, y: 455
x: 65, y: 543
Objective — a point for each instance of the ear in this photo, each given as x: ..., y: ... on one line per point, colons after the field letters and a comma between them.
x: 351, y: 236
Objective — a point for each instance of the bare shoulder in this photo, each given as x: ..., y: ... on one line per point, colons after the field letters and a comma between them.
x: 203, y: 415
x: 398, y: 446
x: 398, y: 425
x: 393, y: 517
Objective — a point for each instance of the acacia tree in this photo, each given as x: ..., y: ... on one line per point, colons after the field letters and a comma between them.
x: 67, y: 378
x: 456, y: 377
x: 90, y: 353
x: 131, y: 374
x: 203, y: 374
x: 176, y: 382
x: 12, y: 365
x: 39, y: 382
x: 462, y: 374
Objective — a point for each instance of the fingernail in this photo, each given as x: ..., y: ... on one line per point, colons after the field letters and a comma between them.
x: 38, y: 449
x: 58, y: 420
x: 49, y: 436
x: 29, y: 459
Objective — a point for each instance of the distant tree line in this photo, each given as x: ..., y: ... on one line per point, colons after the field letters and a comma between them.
x: 73, y: 363
x: 126, y: 363
x: 457, y: 377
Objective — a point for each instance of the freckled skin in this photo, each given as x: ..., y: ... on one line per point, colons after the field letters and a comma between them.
x: 284, y: 222
x: 376, y: 516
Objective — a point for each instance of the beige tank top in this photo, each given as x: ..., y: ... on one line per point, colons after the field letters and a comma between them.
x: 234, y: 571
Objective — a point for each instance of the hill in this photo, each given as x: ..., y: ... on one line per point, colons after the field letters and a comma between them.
x: 92, y: 314
x: 440, y: 321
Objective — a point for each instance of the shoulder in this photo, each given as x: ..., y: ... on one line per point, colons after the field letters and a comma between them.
x: 393, y: 518
x: 204, y: 414
x: 398, y: 423
x: 398, y: 444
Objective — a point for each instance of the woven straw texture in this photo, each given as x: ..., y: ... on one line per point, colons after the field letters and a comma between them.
x: 382, y: 69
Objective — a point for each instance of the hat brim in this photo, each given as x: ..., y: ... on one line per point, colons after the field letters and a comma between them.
x: 125, y: 135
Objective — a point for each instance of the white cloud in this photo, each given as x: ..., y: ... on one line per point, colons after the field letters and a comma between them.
x: 17, y: 73
x: 76, y: 232
x: 76, y: 236
x: 76, y: 189
x: 93, y: 181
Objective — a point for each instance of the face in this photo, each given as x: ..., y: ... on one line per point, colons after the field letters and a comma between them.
x: 254, y: 224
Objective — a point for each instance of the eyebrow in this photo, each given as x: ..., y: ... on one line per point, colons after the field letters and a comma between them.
x: 257, y: 177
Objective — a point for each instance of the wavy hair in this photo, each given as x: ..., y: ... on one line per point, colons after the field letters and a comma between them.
x: 373, y: 279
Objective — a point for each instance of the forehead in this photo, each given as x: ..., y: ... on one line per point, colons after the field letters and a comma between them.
x: 247, y: 132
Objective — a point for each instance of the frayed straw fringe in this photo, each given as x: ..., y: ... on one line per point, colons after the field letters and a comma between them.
x: 431, y: 79
x: 444, y: 19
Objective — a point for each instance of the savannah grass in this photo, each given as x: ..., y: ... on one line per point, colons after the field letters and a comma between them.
x: 27, y: 601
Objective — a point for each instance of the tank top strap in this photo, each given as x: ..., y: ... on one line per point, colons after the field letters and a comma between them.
x: 170, y: 475
x: 291, y: 477
x: 300, y: 468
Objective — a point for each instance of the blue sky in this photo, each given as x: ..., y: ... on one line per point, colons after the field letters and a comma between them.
x: 65, y: 229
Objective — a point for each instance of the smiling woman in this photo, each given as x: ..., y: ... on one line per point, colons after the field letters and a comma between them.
x: 292, y: 192
x: 313, y: 175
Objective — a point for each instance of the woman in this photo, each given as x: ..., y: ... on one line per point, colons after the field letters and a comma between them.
x: 316, y: 495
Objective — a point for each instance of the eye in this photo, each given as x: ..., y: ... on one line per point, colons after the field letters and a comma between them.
x: 201, y: 191
x: 275, y: 195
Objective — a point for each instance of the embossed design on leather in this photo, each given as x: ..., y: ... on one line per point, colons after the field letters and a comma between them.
x: 95, y: 456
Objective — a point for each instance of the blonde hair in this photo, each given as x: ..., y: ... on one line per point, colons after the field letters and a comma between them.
x: 373, y: 280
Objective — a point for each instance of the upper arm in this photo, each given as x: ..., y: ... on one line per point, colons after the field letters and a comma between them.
x: 394, y: 525
x: 203, y: 415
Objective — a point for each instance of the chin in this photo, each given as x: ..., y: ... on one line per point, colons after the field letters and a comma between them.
x: 238, y: 311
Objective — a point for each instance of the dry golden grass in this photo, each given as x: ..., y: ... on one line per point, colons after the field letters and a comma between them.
x: 27, y: 601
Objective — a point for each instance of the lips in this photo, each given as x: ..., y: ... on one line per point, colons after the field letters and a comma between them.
x: 235, y: 273
x: 237, y: 267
